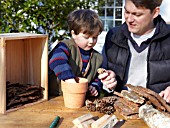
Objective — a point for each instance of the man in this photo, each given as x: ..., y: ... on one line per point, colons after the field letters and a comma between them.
x: 138, y: 52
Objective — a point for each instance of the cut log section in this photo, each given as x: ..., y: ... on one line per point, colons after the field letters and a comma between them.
x: 154, y: 118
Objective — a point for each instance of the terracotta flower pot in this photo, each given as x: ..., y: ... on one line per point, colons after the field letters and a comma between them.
x: 74, y: 93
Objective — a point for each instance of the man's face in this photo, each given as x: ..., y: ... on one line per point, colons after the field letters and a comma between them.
x: 139, y: 20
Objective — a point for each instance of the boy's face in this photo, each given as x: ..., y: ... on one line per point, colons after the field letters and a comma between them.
x: 139, y: 19
x: 85, y: 41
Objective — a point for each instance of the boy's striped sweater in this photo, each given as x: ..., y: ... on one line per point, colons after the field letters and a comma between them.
x: 58, y: 63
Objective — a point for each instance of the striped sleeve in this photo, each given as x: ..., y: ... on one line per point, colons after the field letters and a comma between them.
x: 58, y: 62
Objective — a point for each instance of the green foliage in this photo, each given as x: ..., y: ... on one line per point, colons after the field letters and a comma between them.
x: 38, y: 16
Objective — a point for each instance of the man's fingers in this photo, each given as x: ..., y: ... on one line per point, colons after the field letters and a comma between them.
x: 165, y: 95
x: 161, y: 93
x: 103, y: 75
x: 109, y: 81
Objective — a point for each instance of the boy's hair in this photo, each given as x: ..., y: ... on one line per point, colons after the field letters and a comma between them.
x: 149, y: 4
x: 85, y: 21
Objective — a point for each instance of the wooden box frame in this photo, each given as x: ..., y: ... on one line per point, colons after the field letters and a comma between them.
x: 23, y: 59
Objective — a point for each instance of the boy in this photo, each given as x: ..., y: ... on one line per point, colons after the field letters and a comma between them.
x: 76, y: 57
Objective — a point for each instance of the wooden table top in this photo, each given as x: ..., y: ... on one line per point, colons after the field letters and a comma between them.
x: 42, y: 114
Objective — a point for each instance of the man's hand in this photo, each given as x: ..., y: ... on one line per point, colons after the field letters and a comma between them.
x: 108, y: 78
x: 166, y: 94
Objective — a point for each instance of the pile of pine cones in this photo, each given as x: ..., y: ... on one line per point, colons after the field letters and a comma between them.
x: 103, y: 105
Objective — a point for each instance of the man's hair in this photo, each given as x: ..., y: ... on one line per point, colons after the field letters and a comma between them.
x: 85, y: 21
x: 149, y: 4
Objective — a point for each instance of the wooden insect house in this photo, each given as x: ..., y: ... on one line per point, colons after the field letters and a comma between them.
x: 23, y: 70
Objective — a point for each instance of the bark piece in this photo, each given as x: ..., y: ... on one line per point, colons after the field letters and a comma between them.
x: 132, y: 96
x: 133, y: 106
x: 159, y: 98
x: 125, y: 111
x: 21, y: 94
x: 117, y: 94
x: 154, y: 101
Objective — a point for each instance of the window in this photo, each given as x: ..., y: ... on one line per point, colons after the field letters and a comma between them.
x: 111, y: 13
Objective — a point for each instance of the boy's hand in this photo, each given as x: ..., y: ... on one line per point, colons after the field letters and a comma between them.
x: 71, y: 80
x: 93, y: 91
x: 108, y: 78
